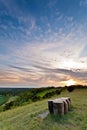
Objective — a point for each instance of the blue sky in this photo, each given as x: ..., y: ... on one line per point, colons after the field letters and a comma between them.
x: 43, y: 42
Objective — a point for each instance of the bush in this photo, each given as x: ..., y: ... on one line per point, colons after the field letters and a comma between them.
x: 7, y: 106
x: 70, y: 88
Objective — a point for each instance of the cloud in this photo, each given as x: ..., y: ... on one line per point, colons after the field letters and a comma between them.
x: 20, y: 22
x: 83, y: 3
x: 8, y: 78
x: 47, y: 76
x: 73, y: 73
x: 65, y: 47
x: 44, y: 63
x: 20, y: 68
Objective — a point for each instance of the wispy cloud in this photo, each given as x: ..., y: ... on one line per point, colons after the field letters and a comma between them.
x: 83, y: 3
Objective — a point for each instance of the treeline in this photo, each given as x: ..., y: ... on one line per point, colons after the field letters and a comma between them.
x: 30, y: 95
x: 12, y: 91
x: 72, y: 87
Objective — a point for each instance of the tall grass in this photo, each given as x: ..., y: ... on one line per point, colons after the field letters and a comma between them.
x: 26, y: 117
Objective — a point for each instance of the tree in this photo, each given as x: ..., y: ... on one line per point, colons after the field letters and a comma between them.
x: 70, y: 88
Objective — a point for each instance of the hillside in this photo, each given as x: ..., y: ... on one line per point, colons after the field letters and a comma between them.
x: 26, y: 117
x: 12, y: 97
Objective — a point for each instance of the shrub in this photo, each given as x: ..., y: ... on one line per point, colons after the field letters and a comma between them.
x: 70, y: 88
x: 7, y: 106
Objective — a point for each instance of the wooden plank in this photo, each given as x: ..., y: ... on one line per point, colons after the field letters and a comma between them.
x: 65, y: 106
x: 58, y: 107
x: 50, y: 106
x: 68, y: 101
x: 69, y: 105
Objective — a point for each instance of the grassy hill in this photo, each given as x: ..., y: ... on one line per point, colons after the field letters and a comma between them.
x: 12, y: 97
x: 26, y: 117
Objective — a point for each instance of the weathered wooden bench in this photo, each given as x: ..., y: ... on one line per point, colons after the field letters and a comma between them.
x: 59, y: 106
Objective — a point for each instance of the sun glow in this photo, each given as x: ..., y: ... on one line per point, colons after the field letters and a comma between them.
x: 70, y: 64
x: 70, y: 82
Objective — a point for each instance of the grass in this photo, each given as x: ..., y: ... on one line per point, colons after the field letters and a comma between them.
x: 41, y: 94
x: 26, y: 117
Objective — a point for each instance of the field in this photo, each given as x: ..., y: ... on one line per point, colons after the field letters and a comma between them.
x: 26, y: 117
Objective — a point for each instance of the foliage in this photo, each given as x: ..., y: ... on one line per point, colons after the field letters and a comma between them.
x: 12, y: 91
x: 7, y: 106
x: 35, y: 94
x: 70, y: 88
x: 28, y: 96
x: 3, y: 99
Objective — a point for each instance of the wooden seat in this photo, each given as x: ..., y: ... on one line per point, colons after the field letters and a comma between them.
x: 59, y: 106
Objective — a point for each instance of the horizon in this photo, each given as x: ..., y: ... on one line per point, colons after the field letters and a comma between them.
x: 43, y: 43
x: 33, y: 87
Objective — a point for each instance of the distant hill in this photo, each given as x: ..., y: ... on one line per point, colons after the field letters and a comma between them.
x: 13, y: 91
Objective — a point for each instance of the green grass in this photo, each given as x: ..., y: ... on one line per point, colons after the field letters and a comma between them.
x: 3, y: 99
x: 41, y: 94
x: 26, y: 117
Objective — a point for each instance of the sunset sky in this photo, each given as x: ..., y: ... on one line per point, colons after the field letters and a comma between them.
x: 43, y: 43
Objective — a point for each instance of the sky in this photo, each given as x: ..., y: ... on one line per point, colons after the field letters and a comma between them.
x: 43, y: 43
